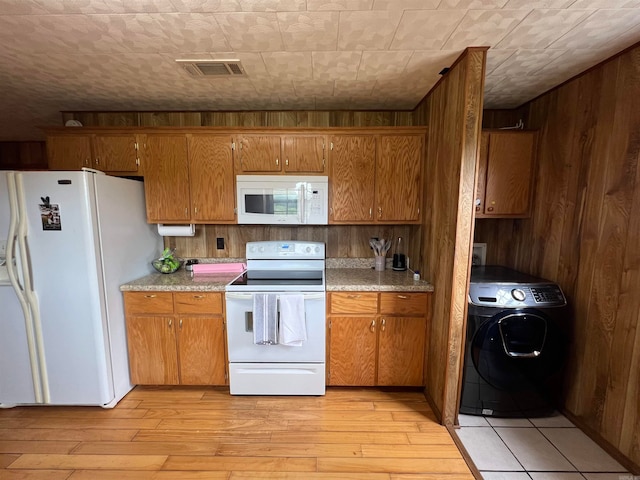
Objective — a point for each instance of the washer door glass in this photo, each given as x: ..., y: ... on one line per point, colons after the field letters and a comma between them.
x: 517, y: 349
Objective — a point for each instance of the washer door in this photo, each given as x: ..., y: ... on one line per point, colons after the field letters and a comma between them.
x: 517, y: 349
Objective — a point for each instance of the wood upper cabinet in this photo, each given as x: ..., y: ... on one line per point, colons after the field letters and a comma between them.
x: 117, y: 152
x: 352, y: 178
x: 109, y: 152
x: 505, y: 174
x: 258, y: 153
x: 212, y: 180
x: 68, y: 152
x: 376, y: 178
x: 304, y: 153
x: 377, y: 338
x: 176, y: 338
x: 166, y: 178
x: 280, y: 153
x: 398, y: 178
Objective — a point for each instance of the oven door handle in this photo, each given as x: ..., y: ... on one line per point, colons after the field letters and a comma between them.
x: 249, y: 296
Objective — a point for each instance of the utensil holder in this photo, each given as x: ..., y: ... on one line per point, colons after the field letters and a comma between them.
x: 380, y: 263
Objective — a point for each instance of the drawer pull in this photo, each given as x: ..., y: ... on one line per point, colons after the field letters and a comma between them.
x: 198, y: 296
x: 150, y: 296
x: 180, y: 324
x: 404, y: 297
x: 384, y: 323
x: 170, y: 323
x: 373, y: 326
x: 353, y: 296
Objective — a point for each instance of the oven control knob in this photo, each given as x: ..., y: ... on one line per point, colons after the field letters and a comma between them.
x: 518, y: 294
x: 308, y: 250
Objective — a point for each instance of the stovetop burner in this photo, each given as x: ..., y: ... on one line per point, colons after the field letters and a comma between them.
x: 279, y: 277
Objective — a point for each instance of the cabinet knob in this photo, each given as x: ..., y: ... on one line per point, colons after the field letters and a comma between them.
x: 490, y: 209
x: 373, y: 326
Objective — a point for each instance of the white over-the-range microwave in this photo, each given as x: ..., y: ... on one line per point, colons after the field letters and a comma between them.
x: 282, y: 199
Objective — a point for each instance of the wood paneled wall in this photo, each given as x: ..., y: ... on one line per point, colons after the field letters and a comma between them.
x: 262, y: 118
x: 23, y: 156
x: 453, y: 111
x: 341, y: 241
x: 584, y: 234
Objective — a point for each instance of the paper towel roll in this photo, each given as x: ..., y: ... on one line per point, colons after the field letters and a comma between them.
x: 177, y: 230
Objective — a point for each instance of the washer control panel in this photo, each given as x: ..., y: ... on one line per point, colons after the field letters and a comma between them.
x: 516, y: 295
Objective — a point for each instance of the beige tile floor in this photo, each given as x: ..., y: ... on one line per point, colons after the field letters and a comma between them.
x: 549, y: 448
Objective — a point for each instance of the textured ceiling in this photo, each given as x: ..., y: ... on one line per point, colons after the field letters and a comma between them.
x: 58, y: 55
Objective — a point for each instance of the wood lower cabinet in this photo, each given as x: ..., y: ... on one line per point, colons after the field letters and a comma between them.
x: 377, y: 338
x: 176, y: 338
x: 505, y: 173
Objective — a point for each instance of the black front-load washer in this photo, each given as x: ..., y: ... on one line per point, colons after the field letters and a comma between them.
x: 515, y: 344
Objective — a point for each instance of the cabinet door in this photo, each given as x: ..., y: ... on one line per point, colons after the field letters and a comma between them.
x: 153, y: 358
x: 303, y: 154
x: 352, y: 351
x: 482, y: 173
x: 398, y: 178
x: 212, y: 178
x: 166, y: 178
x: 115, y: 152
x: 401, y: 351
x: 509, y: 170
x: 201, y: 350
x: 69, y: 152
x: 259, y: 153
x: 352, y: 165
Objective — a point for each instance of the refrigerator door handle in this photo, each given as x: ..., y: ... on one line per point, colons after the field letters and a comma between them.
x: 26, y: 297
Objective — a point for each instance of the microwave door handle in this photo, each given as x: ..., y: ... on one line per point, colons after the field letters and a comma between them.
x: 302, y: 193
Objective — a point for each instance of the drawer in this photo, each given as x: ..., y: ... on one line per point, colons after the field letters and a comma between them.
x: 354, y: 302
x: 404, y: 303
x: 148, y: 303
x: 198, y: 302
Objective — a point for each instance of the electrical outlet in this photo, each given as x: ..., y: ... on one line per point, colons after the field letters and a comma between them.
x: 220, y: 243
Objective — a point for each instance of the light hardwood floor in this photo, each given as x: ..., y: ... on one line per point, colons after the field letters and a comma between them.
x: 158, y: 433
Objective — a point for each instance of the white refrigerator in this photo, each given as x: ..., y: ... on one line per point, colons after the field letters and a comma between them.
x: 69, y: 240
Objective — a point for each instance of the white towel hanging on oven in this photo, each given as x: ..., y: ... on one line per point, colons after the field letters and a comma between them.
x: 293, y: 329
x: 265, y: 319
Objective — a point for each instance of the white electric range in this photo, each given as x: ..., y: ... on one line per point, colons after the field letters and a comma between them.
x: 278, y: 269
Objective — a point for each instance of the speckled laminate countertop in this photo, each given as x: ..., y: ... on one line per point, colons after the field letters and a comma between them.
x: 180, y: 281
x: 370, y: 280
x: 337, y: 279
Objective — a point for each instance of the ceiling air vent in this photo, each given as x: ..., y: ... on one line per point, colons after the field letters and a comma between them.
x: 212, y: 68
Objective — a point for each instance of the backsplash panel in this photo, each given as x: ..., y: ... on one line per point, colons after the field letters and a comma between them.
x: 342, y: 241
